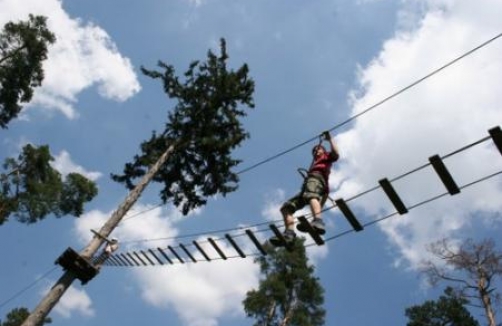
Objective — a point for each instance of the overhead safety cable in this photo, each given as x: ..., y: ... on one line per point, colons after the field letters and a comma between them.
x: 402, y: 90
x: 372, y: 107
x: 496, y: 135
x: 17, y: 294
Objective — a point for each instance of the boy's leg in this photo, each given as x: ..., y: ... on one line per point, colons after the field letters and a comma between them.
x: 315, y: 207
x: 317, y: 223
x: 287, y: 211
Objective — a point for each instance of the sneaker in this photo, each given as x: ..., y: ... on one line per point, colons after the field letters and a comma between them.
x: 289, y: 236
x: 318, y: 225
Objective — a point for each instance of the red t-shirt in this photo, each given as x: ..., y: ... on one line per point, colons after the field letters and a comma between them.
x: 322, y: 165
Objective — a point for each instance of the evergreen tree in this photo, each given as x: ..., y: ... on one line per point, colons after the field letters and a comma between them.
x: 31, y: 188
x: 448, y: 310
x: 201, y: 132
x: 16, y: 317
x: 288, y: 293
x: 23, y: 48
x: 191, y: 158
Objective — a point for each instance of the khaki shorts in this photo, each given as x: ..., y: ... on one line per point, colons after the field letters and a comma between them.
x: 312, y: 188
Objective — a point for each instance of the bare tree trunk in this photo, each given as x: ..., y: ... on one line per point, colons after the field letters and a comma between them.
x: 290, y: 311
x: 57, y: 291
x: 271, y: 313
x: 485, y: 299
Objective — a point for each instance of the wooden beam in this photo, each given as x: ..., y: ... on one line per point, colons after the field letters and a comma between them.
x: 215, y: 246
x: 155, y: 256
x: 201, y: 250
x: 444, y: 174
x: 342, y: 205
x: 496, y: 134
x: 165, y: 256
x: 393, y: 196
x: 236, y: 247
x: 256, y: 242
x: 176, y: 254
x: 188, y: 253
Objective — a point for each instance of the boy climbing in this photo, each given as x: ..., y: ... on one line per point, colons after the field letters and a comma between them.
x: 314, y: 192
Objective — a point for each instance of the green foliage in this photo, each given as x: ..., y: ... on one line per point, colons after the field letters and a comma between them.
x: 17, y: 316
x: 288, y: 293
x: 23, y: 48
x: 32, y: 189
x: 205, y: 127
x: 448, y: 310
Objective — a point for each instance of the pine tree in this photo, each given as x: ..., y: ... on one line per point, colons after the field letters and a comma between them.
x: 192, y: 158
x: 23, y: 48
x: 288, y: 293
x: 448, y: 310
x: 31, y: 188
x: 200, y: 134
x: 16, y: 317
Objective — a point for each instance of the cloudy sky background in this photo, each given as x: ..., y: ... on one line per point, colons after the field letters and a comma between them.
x: 315, y: 65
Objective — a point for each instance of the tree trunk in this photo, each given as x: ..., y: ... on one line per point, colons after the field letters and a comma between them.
x: 271, y: 313
x: 485, y: 298
x: 57, y: 291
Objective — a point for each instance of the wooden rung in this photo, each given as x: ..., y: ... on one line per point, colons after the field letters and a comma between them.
x: 444, y: 174
x: 118, y: 259
x: 393, y: 196
x: 236, y: 247
x: 124, y: 257
x: 199, y: 248
x: 496, y: 134
x: 342, y: 205
x: 215, y: 246
x: 256, y: 242
x: 165, y: 256
x: 188, y: 253
x: 147, y: 258
x: 137, y: 256
x: 134, y: 260
x: 176, y: 254
x: 277, y: 232
x: 315, y: 235
x: 155, y: 256
x: 114, y: 261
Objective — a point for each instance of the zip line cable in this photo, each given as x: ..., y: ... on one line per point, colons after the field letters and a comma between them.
x: 402, y: 90
x: 354, y: 117
x: 202, y: 233
x: 27, y: 287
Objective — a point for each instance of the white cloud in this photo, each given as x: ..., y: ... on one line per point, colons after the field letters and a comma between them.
x: 200, y: 293
x: 74, y: 301
x: 442, y: 114
x: 64, y: 164
x: 83, y: 56
x: 203, y: 292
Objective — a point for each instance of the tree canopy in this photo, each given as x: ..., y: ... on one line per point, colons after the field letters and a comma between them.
x: 288, y: 293
x: 23, y: 48
x: 17, y: 316
x: 448, y: 310
x: 204, y: 128
x: 31, y: 188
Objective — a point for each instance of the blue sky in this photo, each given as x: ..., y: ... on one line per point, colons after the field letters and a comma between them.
x: 315, y: 64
